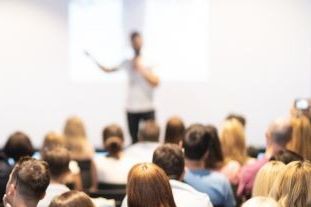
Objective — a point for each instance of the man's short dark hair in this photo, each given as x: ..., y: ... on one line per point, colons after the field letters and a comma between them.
x: 196, y: 142
x: 170, y: 158
x: 58, y: 159
x: 134, y: 34
x: 31, y: 177
x: 150, y: 131
x: 18, y: 145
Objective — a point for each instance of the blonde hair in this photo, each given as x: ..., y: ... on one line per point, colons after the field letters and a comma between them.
x: 260, y: 202
x: 292, y: 187
x: 232, y: 138
x: 266, y: 177
x: 74, y: 127
x: 301, y: 137
x: 53, y: 139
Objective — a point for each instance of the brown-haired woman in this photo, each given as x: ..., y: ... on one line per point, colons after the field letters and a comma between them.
x: 301, y: 137
x: 72, y: 199
x: 148, y: 186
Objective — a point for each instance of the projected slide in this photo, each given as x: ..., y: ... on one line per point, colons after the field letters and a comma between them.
x: 175, y: 36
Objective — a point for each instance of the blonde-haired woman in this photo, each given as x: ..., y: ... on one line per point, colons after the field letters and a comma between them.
x: 232, y: 138
x: 292, y: 188
x: 81, y: 150
x: 265, y: 178
x: 301, y: 137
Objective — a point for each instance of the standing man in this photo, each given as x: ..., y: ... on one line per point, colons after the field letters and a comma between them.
x: 142, y: 82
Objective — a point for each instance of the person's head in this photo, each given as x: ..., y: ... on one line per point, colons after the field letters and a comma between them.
x: 174, y: 131
x: 136, y: 42
x: 170, y: 158
x: 53, y: 139
x: 265, y: 178
x: 237, y: 117
x: 74, y: 127
x: 215, y: 156
x: 58, y: 160
x: 149, y: 131
x: 113, y: 139
x: 261, y: 202
x: 196, y: 142
x: 28, y: 181
x: 148, y: 185
x: 286, y: 156
x: 72, y: 199
x: 18, y: 145
x: 301, y: 137
x: 279, y: 134
x: 292, y: 187
x: 232, y: 138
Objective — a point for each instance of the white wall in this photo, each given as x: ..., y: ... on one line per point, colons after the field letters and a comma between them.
x: 260, y: 60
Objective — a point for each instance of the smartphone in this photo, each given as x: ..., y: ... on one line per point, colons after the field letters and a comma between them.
x: 302, y: 104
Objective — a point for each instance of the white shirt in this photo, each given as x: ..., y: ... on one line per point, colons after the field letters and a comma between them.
x: 141, y: 151
x: 113, y: 171
x: 52, y: 191
x: 185, y: 196
x: 140, y: 92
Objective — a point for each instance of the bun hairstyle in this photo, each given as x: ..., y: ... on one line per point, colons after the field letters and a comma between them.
x: 114, y: 145
x: 113, y: 139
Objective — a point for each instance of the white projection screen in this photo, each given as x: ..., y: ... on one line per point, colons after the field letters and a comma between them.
x: 175, y: 36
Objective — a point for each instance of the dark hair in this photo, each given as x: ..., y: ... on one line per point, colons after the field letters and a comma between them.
x: 134, y: 34
x: 238, y: 117
x: 31, y: 177
x: 196, y: 142
x: 215, y: 157
x: 150, y: 131
x: 286, y: 156
x: 58, y: 159
x: 170, y: 158
x: 113, y: 139
x: 18, y: 145
x: 72, y: 199
x: 175, y: 130
x: 148, y: 185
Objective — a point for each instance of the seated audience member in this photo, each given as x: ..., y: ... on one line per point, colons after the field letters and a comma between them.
x: 58, y: 161
x: 174, y: 131
x: 237, y: 117
x: 277, y: 136
x: 5, y: 170
x: 28, y: 182
x: 113, y: 168
x: 72, y: 199
x: 286, y: 156
x: 301, y: 137
x: 170, y: 158
x: 148, y: 141
x: 266, y: 177
x: 216, y: 185
x: 215, y: 158
x: 292, y: 187
x: 17, y: 146
x: 148, y: 185
x: 261, y: 202
x: 54, y: 140
x: 81, y: 150
x: 232, y: 138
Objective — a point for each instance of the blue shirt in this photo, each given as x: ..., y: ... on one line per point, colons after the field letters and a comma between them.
x: 214, y: 184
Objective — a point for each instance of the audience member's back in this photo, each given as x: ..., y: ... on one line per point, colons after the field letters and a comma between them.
x: 113, y: 167
x: 148, y: 141
x: 214, y: 184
